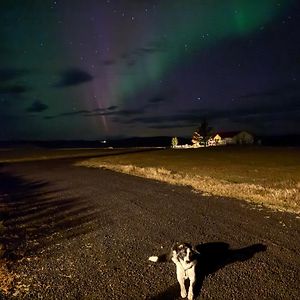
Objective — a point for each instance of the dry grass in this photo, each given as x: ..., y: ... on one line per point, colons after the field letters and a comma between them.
x: 266, y: 176
x: 6, y: 278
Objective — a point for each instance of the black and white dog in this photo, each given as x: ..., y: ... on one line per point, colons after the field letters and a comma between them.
x: 184, y: 257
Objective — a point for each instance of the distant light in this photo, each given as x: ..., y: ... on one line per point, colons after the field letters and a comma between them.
x: 103, y: 142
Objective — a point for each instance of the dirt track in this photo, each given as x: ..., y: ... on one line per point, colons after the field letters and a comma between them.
x: 78, y: 233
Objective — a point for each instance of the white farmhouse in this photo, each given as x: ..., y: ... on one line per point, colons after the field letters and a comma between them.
x: 233, y: 138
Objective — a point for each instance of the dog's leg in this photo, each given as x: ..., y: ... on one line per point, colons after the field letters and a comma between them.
x: 191, y: 275
x: 180, y: 275
x: 180, y: 278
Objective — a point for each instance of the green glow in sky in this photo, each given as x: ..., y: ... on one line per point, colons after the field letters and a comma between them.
x: 191, y: 26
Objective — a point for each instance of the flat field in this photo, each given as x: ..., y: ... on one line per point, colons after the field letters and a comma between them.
x: 264, y: 175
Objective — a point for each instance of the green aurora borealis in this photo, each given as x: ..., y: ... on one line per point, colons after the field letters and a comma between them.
x: 189, y: 30
x: 93, y: 69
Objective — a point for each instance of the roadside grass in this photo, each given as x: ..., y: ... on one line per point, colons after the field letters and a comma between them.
x: 267, y: 176
x: 6, y: 277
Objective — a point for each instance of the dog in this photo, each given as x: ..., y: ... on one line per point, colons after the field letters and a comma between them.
x: 184, y: 256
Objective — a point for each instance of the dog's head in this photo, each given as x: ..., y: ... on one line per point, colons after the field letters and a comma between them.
x: 184, y: 252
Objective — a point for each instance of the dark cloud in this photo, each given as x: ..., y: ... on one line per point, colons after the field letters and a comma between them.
x: 98, y: 110
x: 148, y: 50
x: 286, y: 90
x: 112, y: 107
x: 14, y: 89
x: 170, y: 126
x: 279, y: 100
x: 130, y: 112
x: 70, y: 113
x: 267, y: 117
x: 100, y: 113
x: 49, y: 117
x: 122, y: 113
x: 193, y: 117
x: 264, y: 109
x: 95, y: 112
x: 132, y: 57
x: 186, y: 117
x: 157, y: 100
x: 10, y: 73
x: 74, y: 113
x: 37, y: 106
x: 151, y: 48
x: 73, y: 77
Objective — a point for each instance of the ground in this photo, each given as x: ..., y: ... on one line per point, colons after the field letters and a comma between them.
x: 79, y: 233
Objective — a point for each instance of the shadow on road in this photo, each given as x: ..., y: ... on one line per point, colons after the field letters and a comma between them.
x: 35, y: 216
x: 213, y: 257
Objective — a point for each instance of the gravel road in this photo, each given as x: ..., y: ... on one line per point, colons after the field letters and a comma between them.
x: 79, y: 233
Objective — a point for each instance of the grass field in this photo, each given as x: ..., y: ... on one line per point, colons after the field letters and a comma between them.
x: 268, y: 176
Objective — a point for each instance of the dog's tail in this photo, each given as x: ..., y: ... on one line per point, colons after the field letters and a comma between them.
x: 160, y: 258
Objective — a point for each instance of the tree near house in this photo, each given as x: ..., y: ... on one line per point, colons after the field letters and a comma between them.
x: 202, y: 134
x: 174, y: 142
x: 196, y: 139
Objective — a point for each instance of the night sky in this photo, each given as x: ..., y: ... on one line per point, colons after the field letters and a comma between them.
x: 101, y: 69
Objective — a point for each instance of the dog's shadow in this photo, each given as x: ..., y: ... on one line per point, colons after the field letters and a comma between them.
x: 215, y: 256
x: 212, y: 257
